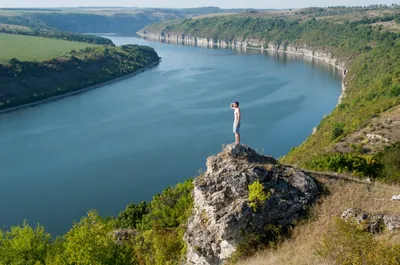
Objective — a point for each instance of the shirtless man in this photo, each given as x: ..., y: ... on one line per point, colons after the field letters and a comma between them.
x: 236, y: 123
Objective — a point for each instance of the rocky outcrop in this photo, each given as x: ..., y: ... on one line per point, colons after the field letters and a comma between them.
x: 222, y: 218
x: 373, y: 223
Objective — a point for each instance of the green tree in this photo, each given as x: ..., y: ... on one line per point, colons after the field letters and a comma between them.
x: 132, y: 215
x: 89, y: 242
x: 23, y: 245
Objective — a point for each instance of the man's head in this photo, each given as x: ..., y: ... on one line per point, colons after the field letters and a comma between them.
x: 235, y: 104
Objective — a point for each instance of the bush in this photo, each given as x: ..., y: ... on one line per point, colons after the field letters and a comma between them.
x: 24, y: 245
x: 337, y: 130
x: 161, y: 239
x: 132, y: 215
x: 390, y: 159
x: 90, y: 242
x: 257, y: 195
x: 159, y: 246
x: 360, y: 165
x: 349, y: 244
x: 170, y: 208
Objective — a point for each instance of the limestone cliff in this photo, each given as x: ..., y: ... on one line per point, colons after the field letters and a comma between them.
x: 222, y: 217
x: 295, y: 49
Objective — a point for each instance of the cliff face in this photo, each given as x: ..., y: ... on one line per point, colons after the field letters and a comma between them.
x: 247, y: 43
x: 301, y: 50
x: 222, y: 218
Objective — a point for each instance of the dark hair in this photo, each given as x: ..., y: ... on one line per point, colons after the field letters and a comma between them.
x: 237, y: 103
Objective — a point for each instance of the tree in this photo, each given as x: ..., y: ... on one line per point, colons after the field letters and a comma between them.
x: 89, y: 242
x: 23, y: 245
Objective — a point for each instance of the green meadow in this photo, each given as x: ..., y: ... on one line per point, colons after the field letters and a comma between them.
x: 30, y: 48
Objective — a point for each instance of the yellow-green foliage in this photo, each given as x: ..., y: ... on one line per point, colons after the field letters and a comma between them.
x: 90, y: 242
x: 257, y: 195
x: 23, y: 245
x: 361, y: 165
x: 161, y: 239
x: 159, y: 246
x: 158, y: 240
x: 349, y: 244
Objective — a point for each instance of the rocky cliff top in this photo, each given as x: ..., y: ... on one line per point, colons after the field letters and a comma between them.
x: 224, y: 215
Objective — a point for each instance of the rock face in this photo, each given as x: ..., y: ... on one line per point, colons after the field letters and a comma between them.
x: 222, y: 217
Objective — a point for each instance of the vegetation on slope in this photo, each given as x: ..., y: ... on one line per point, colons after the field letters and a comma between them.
x: 25, y: 25
x: 323, y: 239
x: 30, y: 48
x: 26, y: 81
x: 157, y: 239
x: 371, y: 54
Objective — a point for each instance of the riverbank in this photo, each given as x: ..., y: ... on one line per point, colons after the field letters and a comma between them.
x: 78, y: 91
x: 255, y: 45
x: 26, y: 84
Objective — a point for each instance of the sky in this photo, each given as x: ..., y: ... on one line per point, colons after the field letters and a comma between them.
x: 193, y: 3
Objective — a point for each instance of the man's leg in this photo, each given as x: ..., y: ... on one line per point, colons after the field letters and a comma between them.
x: 238, y: 138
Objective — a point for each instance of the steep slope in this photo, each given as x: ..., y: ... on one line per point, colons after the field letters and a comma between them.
x: 308, y: 237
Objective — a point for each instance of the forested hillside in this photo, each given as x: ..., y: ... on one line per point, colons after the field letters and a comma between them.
x: 29, y: 81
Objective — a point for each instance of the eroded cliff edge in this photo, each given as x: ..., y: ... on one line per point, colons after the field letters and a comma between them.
x: 222, y: 215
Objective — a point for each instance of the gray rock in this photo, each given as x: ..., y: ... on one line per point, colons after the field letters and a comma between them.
x: 392, y: 222
x: 121, y: 235
x: 373, y: 223
x: 222, y: 217
x: 395, y: 198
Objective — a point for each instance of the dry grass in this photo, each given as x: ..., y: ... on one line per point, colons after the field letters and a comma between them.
x: 300, y: 248
x: 389, y: 25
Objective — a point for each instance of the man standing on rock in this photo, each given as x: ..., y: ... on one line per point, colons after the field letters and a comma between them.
x: 236, y: 122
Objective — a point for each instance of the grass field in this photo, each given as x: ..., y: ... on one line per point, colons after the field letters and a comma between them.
x: 30, y: 48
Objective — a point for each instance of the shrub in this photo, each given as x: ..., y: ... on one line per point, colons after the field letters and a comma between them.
x: 161, y: 239
x: 337, y: 130
x: 170, y: 208
x: 349, y: 244
x: 159, y: 246
x: 132, y: 215
x: 90, y: 242
x: 257, y: 195
x: 24, y: 245
x: 360, y: 165
x: 390, y: 159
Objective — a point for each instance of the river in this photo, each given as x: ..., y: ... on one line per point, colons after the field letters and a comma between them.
x: 126, y: 141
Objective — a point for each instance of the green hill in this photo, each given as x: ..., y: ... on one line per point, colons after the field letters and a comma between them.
x: 24, y: 82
